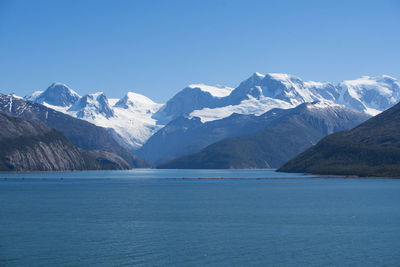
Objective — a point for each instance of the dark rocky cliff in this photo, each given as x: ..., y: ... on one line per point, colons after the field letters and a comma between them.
x: 31, y: 146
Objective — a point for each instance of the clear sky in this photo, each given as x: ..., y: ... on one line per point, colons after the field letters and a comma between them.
x: 156, y: 48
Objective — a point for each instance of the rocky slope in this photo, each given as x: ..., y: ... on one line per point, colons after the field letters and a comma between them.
x: 371, y: 149
x: 31, y: 146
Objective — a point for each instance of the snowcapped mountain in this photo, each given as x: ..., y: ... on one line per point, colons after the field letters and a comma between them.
x: 371, y: 95
x: 92, y: 106
x: 215, y: 91
x: 128, y: 119
x: 193, y: 97
x: 57, y: 94
x: 133, y: 119
x: 256, y: 95
x: 137, y: 103
x: 288, y: 88
x: 260, y: 93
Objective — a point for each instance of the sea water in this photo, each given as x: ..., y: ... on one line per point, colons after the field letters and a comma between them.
x: 197, y: 218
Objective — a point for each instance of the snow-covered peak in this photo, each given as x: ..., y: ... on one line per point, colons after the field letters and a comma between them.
x: 260, y: 75
x: 92, y: 105
x: 57, y: 94
x: 371, y: 95
x: 192, y: 97
x: 381, y: 84
x: 97, y: 94
x: 217, y: 91
x: 287, y: 87
x: 58, y: 84
x: 255, y: 78
x: 284, y: 77
x: 290, y: 81
x: 134, y: 100
x: 61, y: 87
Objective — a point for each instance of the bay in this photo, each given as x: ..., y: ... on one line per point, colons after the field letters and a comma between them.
x: 195, y: 218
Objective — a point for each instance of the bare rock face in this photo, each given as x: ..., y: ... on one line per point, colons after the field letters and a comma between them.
x: 31, y: 146
x: 53, y: 156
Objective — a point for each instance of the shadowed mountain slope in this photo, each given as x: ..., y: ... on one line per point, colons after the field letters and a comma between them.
x: 32, y: 146
x: 371, y: 149
x: 286, y: 135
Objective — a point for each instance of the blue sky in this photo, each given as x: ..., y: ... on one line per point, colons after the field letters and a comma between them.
x: 158, y: 47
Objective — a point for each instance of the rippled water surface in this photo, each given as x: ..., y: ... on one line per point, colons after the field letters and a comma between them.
x: 155, y: 218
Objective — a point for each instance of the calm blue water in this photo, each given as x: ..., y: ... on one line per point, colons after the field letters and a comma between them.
x: 144, y: 218
x: 153, y: 174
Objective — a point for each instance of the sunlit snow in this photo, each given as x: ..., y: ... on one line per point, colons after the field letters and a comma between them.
x: 218, y: 91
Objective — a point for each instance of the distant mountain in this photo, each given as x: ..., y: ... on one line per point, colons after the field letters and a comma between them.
x: 91, y: 106
x: 285, y: 87
x: 133, y: 119
x: 286, y: 133
x: 82, y: 133
x: 371, y: 95
x: 32, y: 146
x: 371, y: 149
x: 57, y: 94
x: 260, y: 93
x: 128, y: 119
x: 193, y: 97
x: 184, y: 136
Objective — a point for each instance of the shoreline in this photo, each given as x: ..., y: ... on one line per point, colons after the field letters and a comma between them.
x: 190, y: 178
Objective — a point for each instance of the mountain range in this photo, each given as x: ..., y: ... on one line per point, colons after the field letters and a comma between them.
x: 206, y: 122
x: 135, y: 118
